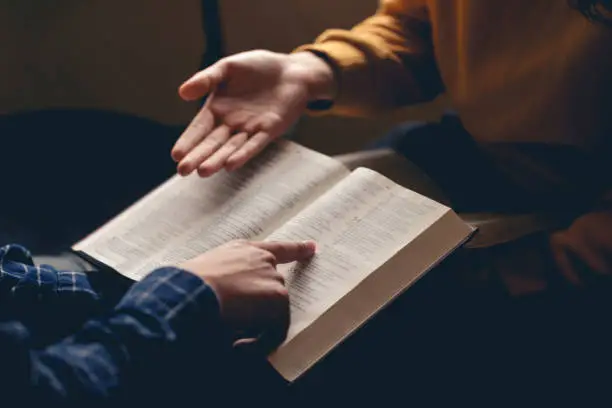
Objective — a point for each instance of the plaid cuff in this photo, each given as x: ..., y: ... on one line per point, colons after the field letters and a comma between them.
x: 20, y: 277
x: 179, y: 298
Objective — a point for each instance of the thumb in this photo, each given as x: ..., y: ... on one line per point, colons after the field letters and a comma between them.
x: 286, y: 252
x: 262, y: 345
x: 203, y: 82
x: 271, y: 337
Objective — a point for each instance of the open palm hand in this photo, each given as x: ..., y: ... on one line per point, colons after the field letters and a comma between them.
x: 253, y: 98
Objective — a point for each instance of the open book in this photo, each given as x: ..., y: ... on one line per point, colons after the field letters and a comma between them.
x: 374, y: 238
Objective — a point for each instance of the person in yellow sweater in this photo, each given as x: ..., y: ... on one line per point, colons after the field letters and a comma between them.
x: 529, y: 81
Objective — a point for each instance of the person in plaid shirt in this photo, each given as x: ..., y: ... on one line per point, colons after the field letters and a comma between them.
x: 169, y: 334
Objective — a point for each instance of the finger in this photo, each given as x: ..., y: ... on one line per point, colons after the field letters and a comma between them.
x: 592, y: 259
x: 598, y: 253
x: 204, y: 150
x: 217, y: 161
x: 271, y: 339
x: 253, y: 125
x: 272, y: 336
x: 585, y: 257
x: 587, y: 275
x: 204, y: 82
x: 565, y: 265
x: 270, y: 123
x: 236, y: 119
x: 200, y: 126
x: 276, y: 333
x: 262, y: 345
x: 286, y: 252
x: 250, y: 149
x: 245, y: 343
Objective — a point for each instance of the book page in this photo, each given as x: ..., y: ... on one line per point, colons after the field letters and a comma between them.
x: 375, y: 239
x: 358, y: 225
x: 188, y: 216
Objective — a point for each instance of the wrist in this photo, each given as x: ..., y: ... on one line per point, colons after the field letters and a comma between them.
x: 179, y: 299
x: 318, y: 75
x: 173, y: 316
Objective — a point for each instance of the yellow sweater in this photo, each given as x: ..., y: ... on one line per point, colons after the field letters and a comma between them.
x: 518, y: 72
x: 515, y: 71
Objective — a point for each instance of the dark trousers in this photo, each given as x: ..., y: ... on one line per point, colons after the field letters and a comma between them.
x: 473, y: 179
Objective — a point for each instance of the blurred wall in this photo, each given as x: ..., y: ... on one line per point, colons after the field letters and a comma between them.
x: 281, y: 25
x: 123, y: 55
x: 131, y: 55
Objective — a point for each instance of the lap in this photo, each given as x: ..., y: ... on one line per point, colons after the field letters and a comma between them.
x: 499, y: 177
x: 449, y: 156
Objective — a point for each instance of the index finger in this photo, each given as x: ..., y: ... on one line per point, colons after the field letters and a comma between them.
x: 286, y: 252
x: 201, y: 125
x: 565, y: 266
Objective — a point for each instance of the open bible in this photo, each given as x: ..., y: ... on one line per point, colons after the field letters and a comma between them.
x: 374, y: 238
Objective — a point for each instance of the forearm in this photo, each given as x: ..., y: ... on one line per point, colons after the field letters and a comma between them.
x: 164, y: 322
x: 382, y: 63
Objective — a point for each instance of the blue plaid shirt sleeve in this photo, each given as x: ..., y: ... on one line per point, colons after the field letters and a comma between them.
x: 163, y: 323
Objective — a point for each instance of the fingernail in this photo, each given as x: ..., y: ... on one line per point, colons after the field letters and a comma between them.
x: 183, y: 171
x: 230, y: 165
x: 311, y: 246
x: 204, y: 171
x: 177, y: 155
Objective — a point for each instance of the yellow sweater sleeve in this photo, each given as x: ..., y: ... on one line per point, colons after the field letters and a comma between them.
x: 384, y: 62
